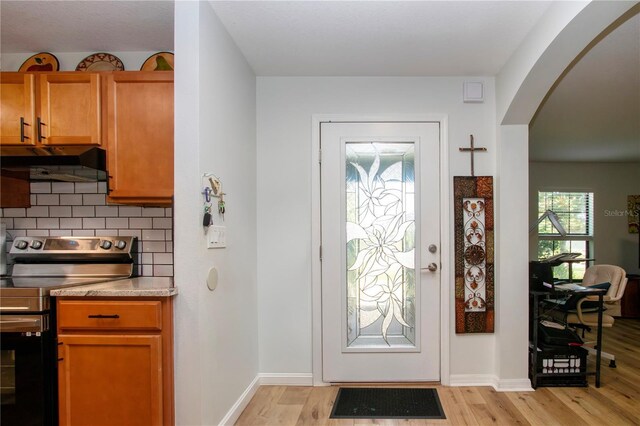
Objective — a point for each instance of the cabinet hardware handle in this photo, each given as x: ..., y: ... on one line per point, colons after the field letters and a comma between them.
x: 60, y: 359
x: 39, y: 125
x: 22, y: 124
x: 104, y: 316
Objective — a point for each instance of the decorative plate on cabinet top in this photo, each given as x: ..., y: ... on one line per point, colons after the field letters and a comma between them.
x: 100, y: 62
x: 161, y: 61
x: 43, y: 61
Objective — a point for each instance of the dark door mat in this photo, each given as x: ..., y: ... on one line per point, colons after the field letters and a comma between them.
x: 387, y: 403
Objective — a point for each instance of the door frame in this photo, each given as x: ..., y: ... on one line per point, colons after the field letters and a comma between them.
x: 316, y: 233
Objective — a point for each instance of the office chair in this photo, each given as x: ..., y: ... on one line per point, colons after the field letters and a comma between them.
x: 585, y: 316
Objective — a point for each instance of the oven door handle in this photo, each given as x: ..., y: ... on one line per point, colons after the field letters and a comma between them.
x: 18, y: 324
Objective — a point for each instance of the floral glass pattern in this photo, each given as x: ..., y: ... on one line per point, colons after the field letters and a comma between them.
x: 475, y: 270
x: 380, y: 231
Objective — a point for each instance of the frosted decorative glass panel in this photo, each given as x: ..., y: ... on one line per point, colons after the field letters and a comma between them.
x: 381, y: 234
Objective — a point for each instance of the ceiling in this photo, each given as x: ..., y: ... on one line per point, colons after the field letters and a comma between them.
x: 85, y: 26
x: 378, y: 38
x: 592, y: 114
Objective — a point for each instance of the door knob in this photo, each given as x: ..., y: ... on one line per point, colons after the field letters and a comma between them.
x: 432, y: 267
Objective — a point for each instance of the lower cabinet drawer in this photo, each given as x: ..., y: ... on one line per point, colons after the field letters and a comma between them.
x: 109, y: 315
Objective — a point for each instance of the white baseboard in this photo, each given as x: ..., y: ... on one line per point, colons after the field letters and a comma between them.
x: 500, y: 385
x: 513, y: 385
x: 234, y: 413
x: 286, y: 379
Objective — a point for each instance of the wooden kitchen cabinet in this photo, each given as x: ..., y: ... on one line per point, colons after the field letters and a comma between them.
x: 51, y: 109
x: 115, y: 359
x: 139, y: 135
x: 18, y: 112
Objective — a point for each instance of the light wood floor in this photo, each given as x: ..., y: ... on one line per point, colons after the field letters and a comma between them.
x: 616, y: 402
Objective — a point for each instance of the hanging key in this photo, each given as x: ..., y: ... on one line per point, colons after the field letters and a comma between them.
x: 206, y: 220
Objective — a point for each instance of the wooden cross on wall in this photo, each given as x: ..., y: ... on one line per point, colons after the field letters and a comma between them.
x: 472, y: 150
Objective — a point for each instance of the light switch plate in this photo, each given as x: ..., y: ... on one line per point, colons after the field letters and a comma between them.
x: 217, y: 237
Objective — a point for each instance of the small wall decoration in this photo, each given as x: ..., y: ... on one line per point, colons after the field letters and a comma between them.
x: 633, y: 213
x: 101, y: 62
x: 43, y: 61
x: 474, y: 247
x: 161, y: 61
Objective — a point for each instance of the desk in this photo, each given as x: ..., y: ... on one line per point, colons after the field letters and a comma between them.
x: 533, y: 344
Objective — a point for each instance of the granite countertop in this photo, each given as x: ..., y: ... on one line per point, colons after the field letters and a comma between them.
x: 130, y: 287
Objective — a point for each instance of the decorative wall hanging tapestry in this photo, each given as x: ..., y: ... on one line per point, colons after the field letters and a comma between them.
x: 474, y: 243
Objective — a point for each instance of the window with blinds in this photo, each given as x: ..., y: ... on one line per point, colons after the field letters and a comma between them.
x: 575, y: 213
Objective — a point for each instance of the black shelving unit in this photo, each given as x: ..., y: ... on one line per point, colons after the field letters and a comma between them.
x: 533, y: 342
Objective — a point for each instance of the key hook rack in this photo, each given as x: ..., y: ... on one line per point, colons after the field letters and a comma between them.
x: 212, y: 188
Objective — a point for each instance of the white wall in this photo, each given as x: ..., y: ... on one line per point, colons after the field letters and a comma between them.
x: 216, y: 344
x: 285, y: 108
x: 610, y: 183
x: 68, y: 61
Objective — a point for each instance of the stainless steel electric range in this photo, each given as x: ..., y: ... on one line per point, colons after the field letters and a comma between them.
x: 28, y: 360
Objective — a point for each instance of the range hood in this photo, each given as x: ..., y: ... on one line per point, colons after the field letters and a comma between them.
x: 63, y: 164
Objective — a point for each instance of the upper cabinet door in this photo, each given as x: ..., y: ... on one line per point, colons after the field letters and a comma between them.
x: 140, y: 136
x: 17, y: 115
x: 69, y: 109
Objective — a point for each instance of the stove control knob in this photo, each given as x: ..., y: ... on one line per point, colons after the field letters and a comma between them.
x: 105, y: 244
x: 121, y: 244
x: 36, y: 244
x: 21, y: 244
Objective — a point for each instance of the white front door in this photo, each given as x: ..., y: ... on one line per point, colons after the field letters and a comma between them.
x: 380, y: 233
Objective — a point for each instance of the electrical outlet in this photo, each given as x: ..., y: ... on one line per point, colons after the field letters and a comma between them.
x: 217, y: 237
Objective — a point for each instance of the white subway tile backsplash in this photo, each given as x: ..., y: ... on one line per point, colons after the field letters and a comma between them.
x: 48, y: 223
x: 48, y: 199
x: 154, y: 246
x: 163, y: 259
x: 153, y: 235
x: 11, y: 212
x: 71, y: 223
x: 93, y: 223
x: 79, y: 209
x: 117, y: 222
x: 162, y: 223
x: 38, y: 211
x: 130, y: 233
x: 139, y: 222
x: 162, y: 270
x: 27, y: 223
x: 84, y: 211
x: 130, y: 211
x: 62, y: 187
x: 107, y: 211
x: 86, y: 187
x: 40, y: 187
x: 93, y: 199
x: 153, y: 212
x: 60, y: 211
x: 71, y: 199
